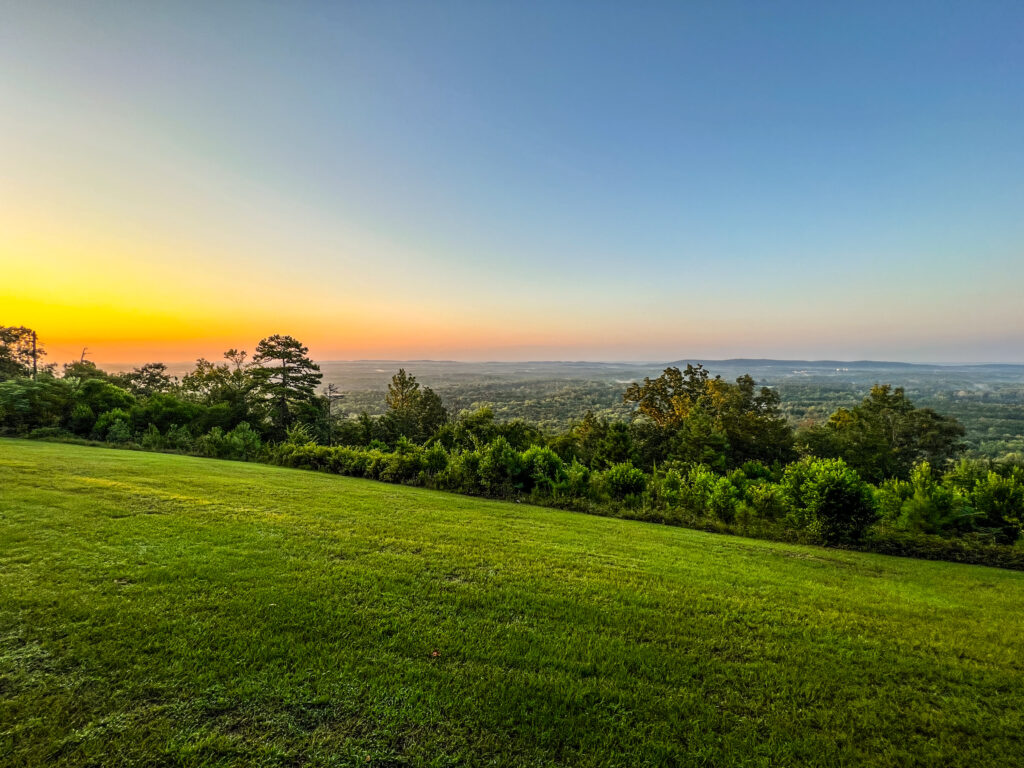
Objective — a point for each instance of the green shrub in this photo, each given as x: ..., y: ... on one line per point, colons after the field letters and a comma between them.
x: 243, y: 443
x: 501, y: 470
x: 152, y: 440
x: 543, y: 469
x: 767, y: 501
x: 179, y: 438
x: 82, y: 419
x: 932, y: 507
x: 435, y: 460
x: 575, y: 483
x: 112, y: 426
x: 298, y: 434
x: 623, y: 481
x: 462, y: 473
x: 666, y: 487
x: 402, y: 466
x: 998, y: 502
x: 705, y: 493
x: 828, y: 499
x: 210, y: 445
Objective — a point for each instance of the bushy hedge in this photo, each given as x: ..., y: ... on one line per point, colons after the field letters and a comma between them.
x: 813, y: 500
x: 968, y: 514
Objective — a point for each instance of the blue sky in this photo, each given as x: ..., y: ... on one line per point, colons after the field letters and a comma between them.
x: 519, y: 180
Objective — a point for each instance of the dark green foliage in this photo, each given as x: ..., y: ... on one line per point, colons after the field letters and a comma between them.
x: 829, y: 499
x: 229, y: 388
x: 707, y: 420
x: 165, y: 410
x: 885, y: 436
x: 285, y: 379
x: 413, y: 413
x: 83, y: 370
x: 149, y: 379
x: 241, y: 444
x: 113, y: 426
x: 501, y: 469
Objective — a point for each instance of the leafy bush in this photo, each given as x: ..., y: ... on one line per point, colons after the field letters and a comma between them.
x: 462, y: 473
x: 113, y: 426
x: 543, y: 469
x: 82, y: 419
x: 501, y: 469
x: 179, y: 438
x: 931, y: 506
x: 435, y: 460
x: 999, y: 503
x: 298, y: 434
x: 705, y: 493
x: 575, y: 483
x: 623, y: 481
x: 152, y: 440
x: 828, y: 499
x: 404, y: 465
x: 211, y: 445
x: 767, y: 501
x: 665, y: 488
x: 243, y: 444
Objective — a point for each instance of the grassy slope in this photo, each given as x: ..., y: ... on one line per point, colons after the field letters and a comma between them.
x: 168, y: 610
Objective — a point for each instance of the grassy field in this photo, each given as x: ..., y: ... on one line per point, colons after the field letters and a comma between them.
x: 164, y: 610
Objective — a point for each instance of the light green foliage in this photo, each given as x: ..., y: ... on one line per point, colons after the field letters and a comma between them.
x: 176, y: 611
x: 932, y: 507
x: 623, y: 481
x: 998, y: 500
x: 543, y: 469
x: 766, y: 500
x: 575, y: 483
x: 704, y: 492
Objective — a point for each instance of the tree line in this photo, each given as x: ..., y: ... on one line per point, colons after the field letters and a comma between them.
x: 698, y: 450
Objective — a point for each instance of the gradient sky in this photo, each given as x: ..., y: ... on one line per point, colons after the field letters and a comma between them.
x: 515, y: 180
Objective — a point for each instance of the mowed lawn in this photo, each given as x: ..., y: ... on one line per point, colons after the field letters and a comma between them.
x: 165, y: 610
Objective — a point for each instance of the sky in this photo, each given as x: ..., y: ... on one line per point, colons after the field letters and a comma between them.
x: 515, y: 180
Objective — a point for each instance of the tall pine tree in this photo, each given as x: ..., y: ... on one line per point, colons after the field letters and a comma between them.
x: 286, y: 379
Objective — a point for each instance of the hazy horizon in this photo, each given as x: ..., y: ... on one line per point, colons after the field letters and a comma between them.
x: 127, y: 365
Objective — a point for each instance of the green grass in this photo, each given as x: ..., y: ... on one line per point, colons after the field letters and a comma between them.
x: 165, y: 610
